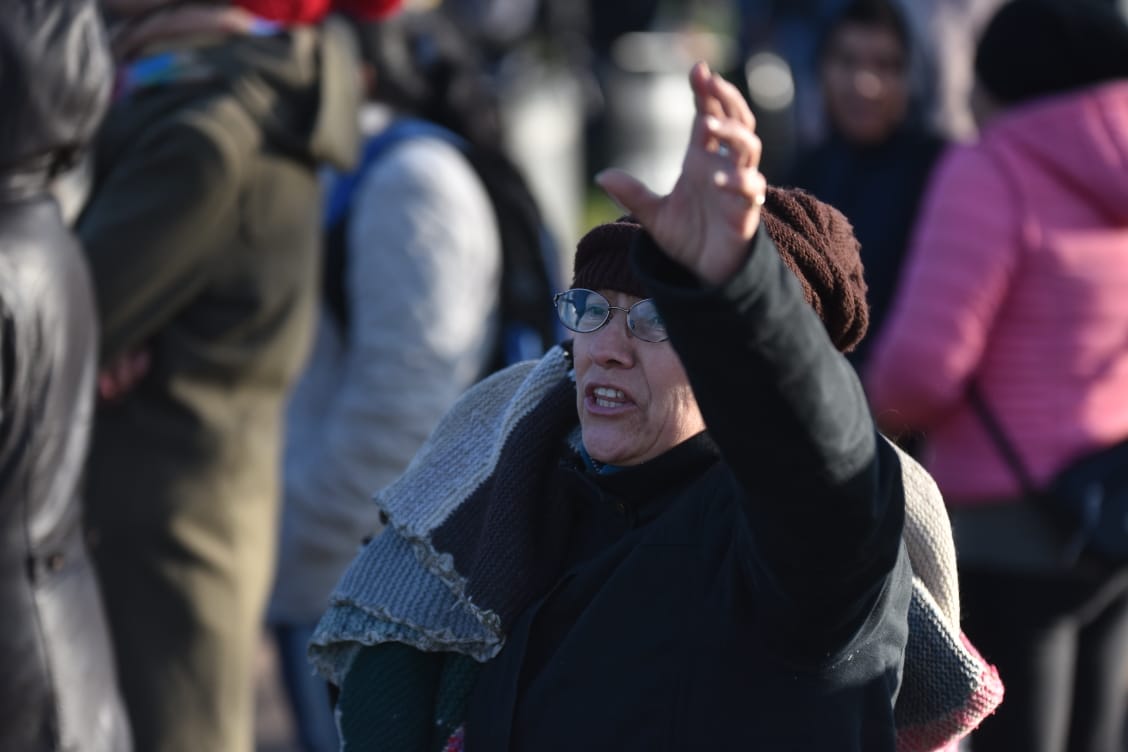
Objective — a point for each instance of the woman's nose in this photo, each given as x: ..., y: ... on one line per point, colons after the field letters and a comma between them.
x: 614, y: 342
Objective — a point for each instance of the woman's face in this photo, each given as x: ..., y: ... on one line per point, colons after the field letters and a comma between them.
x: 633, y: 397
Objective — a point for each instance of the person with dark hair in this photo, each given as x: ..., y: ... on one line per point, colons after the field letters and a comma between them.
x: 58, y: 689
x: 1013, y: 313
x: 424, y: 240
x: 202, y: 237
x: 875, y: 159
x: 678, y: 530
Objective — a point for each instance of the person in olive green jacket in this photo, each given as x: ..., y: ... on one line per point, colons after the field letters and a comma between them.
x: 202, y: 235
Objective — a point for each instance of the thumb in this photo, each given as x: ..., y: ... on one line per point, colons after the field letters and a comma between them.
x: 629, y: 193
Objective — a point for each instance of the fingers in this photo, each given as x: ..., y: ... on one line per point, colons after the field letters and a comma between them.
x: 705, y: 102
x: 630, y: 194
x: 724, y: 124
x: 732, y: 101
x: 122, y: 375
x: 732, y: 141
x: 747, y: 183
x: 713, y: 95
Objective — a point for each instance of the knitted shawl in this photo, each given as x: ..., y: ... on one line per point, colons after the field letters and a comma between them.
x: 455, y: 567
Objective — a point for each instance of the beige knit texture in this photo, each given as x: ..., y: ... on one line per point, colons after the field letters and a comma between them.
x: 928, y: 538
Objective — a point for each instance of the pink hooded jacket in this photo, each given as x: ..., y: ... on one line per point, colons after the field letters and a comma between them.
x: 1017, y: 279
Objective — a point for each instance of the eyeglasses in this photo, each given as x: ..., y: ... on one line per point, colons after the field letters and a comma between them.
x: 586, y: 311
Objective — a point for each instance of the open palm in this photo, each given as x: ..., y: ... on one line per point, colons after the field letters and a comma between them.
x: 706, y: 221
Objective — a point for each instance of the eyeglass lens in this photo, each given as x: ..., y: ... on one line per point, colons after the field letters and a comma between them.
x: 586, y: 311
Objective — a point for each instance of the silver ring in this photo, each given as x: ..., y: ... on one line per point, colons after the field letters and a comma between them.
x: 723, y: 149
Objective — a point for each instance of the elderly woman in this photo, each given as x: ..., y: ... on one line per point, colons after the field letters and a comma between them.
x: 682, y: 533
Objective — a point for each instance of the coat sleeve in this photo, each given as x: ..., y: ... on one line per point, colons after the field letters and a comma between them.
x: 161, y: 216
x: 957, y: 274
x: 820, y: 489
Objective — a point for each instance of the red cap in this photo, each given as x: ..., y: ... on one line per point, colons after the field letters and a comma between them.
x: 368, y: 10
x: 294, y: 12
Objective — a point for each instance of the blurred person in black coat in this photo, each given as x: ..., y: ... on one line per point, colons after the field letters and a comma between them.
x: 875, y: 159
x: 58, y: 688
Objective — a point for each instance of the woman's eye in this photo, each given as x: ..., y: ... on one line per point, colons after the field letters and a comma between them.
x: 594, y: 311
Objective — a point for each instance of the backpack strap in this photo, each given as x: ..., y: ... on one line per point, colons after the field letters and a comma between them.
x: 999, y: 437
x: 340, y: 196
x: 339, y: 201
x: 529, y: 253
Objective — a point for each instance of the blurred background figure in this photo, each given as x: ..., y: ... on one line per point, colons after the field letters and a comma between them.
x: 783, y: 36
x: 877, y: 153
x: 1016, y: 289
x: 202, y: 232
x: 537, y: 55
x: 435, y: 252
x: 779, y: 42
x: 948, y: 30
x: 59, y: 688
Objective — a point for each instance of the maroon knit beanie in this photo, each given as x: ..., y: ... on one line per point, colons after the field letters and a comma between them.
x: 814, y: 239
x: 817, y: 243
x: 603, y: 260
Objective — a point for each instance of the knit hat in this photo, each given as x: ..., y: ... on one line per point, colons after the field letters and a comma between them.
x: 817, y: 244
x: 1034, y: 48
x: 814, y: 239
x: 602, y: 259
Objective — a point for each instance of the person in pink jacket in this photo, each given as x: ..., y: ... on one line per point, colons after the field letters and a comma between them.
x: 1017, y: 282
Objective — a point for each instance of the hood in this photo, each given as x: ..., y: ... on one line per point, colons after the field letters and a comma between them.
x: 55, y: 80
x: 1080, y: 138
x: 301, y: 87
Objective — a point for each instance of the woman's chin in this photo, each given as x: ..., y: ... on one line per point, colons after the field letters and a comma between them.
x: 606, y: 447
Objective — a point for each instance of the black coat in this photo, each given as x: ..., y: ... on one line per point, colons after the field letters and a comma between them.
x: 746, y: 590
x: 879, y: 189
x: 58, y: 687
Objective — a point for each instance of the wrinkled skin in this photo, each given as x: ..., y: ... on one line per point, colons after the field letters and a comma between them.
x: 652, y: 407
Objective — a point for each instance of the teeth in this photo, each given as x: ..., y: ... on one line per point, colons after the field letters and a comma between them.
x: 605, y: 396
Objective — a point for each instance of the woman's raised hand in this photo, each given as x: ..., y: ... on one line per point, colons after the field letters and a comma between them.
x: 706, y: 221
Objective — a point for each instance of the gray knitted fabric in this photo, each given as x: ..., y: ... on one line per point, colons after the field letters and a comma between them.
x: 400, y: 588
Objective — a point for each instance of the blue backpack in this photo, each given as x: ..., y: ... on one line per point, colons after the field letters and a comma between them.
x: 530, y: 258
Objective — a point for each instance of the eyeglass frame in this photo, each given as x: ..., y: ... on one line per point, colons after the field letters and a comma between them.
x: 610, y: 309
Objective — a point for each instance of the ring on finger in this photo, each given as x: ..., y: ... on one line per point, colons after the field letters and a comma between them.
x: 723, y: 149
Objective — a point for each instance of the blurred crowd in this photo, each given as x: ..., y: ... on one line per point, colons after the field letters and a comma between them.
x: 253, y: 251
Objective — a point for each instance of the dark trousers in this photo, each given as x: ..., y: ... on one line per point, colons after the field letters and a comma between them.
x: 1060, y: 642
x: 307, y: 694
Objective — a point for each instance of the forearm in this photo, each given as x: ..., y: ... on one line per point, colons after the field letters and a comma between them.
x: 820, y: 489
x: 158, y: 220
x: 766, y: 376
